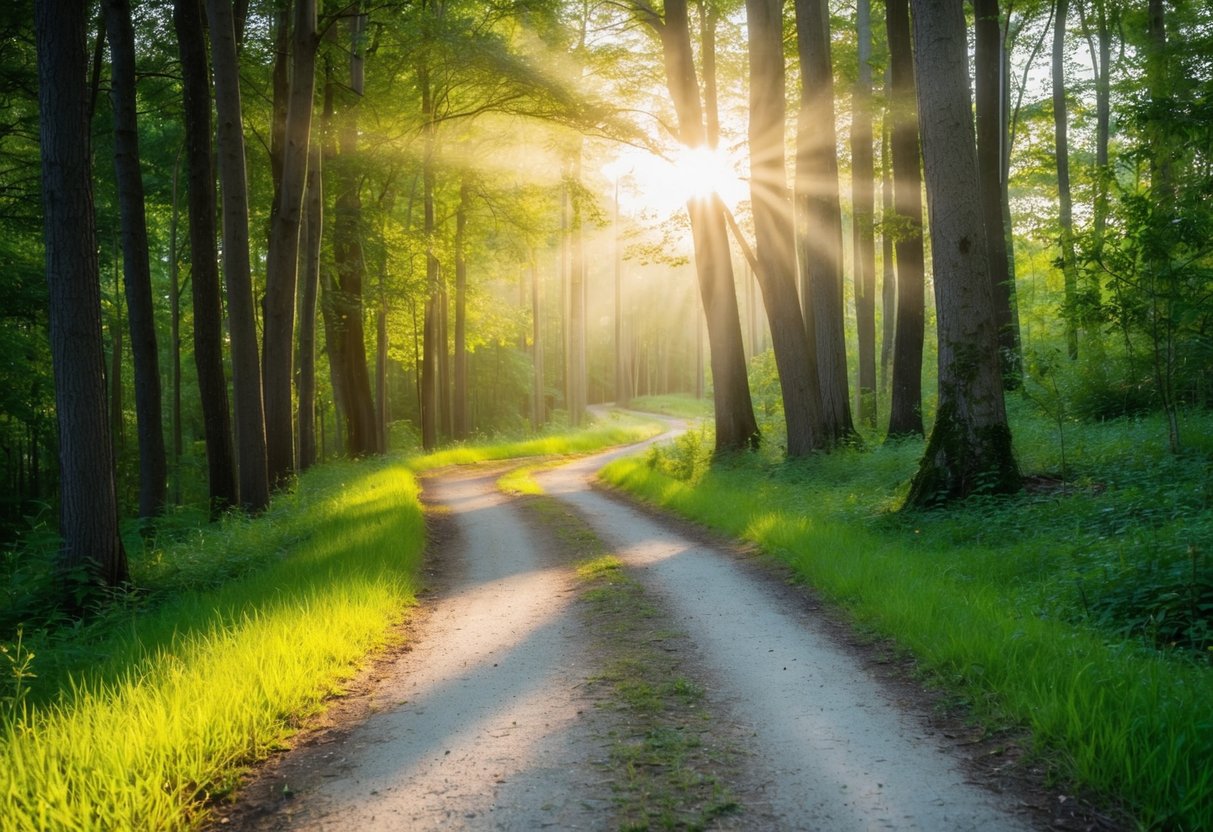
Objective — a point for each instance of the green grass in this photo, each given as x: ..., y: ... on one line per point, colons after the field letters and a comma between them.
x: 999, y: 599
x: 684, y: 407
x: 141, y: 716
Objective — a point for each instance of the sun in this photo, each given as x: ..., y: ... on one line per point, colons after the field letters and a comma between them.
x: 663, y: 185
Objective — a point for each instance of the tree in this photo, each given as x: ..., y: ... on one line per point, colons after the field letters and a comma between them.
x: 88, y: 508
x: 863, y: 197
x: 204, y: 264
x: 137, y: 276
x: 991, y: 136
x: 905, y: 405
x: 305, y: 363
x: 1065, y: 211
x: 282, y: 264
x: 969, y: 449
x: 242, y: 326
x: 774, y: 231
x: 736, y: 427
x: 820, y: 237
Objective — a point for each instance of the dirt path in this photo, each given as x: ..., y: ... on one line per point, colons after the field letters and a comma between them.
x: 490, y: 720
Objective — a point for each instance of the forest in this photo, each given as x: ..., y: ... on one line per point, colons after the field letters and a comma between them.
x: 934, y: 276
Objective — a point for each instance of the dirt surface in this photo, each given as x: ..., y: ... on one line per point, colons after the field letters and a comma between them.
x: 491, y: 717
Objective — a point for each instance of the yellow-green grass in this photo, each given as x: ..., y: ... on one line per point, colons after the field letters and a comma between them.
x: 616, y: 429
x: 1126, y: 720
x: 684, y: 407
x: 176, y: 700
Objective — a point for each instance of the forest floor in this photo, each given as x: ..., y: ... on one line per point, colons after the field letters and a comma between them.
x: 703, y: 690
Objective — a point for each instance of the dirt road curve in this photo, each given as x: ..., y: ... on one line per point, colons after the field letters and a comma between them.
x: 486, y: 722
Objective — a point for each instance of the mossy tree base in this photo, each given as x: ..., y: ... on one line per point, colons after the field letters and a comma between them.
x: 963, y: 459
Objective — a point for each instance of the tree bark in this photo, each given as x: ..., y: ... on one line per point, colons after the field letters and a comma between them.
x: 991, y: 136
x: 905, y: 405
x: 137, y: 275
x: 462, y: 422
x: 774, y: 232
x: 736, y: 427
x: 820, y: 233
x: 204, y: 265
x: 888, y: 276
x: 863, y: 197
x: 309, y: 289
x: 969, y: 450
x: 1065, y: 213
x: 246, y: 364
x: 88, y: 510
x: 282, y: 262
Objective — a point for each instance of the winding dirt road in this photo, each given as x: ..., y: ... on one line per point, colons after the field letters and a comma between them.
x: 489, y: 721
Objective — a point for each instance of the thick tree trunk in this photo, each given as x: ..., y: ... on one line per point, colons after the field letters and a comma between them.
x: 153, y: 465
x: 88, y: 509
x: 970, y: 446
x: 308, y: 291
x: 905, y: 405
x: 242, y: 326
x: 820, y: 232
x: 991, y: 135
x: 736, y: 427
x: 773, y: 230
x: 1065, y: 212
x: 282, y: 263
x: 863, y: 236
x: 204, y: 265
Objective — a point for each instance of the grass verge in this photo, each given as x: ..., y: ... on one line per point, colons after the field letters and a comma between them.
x: 667, y: 769
x: 144, y: 719
x: 969, y: 594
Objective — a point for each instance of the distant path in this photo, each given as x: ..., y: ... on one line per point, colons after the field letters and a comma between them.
x: 486, y: 722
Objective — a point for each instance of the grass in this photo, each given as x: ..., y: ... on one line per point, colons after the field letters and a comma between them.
x: 145, y: 713
x: 667, y: 764
x: 673, y: 405
x: 1001, y: 599
x: 138, y: 716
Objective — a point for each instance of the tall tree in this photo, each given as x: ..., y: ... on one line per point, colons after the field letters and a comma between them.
x: 905, y: 405
x: 774, y: 231
x: 137, y: 274
x: 736, y: 427
x: 1065, y: 211
x: 242, y: 326
x: 88, y: 509
x: 991, y: 138
x: 204, y: 264
x: 461, y: 416
x: 863, y: 197
x: 820, y: 237
x: 282, y: 262
x: 305, y: 363
x: 970, y: 445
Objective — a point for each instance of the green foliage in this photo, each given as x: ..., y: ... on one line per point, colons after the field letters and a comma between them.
x: 1079, y: 608
x: 688, y: 459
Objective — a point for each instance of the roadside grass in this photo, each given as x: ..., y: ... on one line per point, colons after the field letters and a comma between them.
x: 1043, y: 610
x: 146, y: 712
x: 615, y: 429
x: 667, y: 767
x: 674, y: 405
x: 140, y: 714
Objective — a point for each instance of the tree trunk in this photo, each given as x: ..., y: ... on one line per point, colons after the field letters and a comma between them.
x: 153, y: 466
x: 736, y: 427
x: 623, y: 394
x: 888, y: 277
x: 174, y: 289
x: 820, y: 233
x: 282, y: 263
x: 462, y: 422
x: 773, y: 230
x: 970, y: 446
x: 905, y: 405
x: 204, y: 265
x: 1065, y: 216
x: 863, y: 196
x: 361, y: 435
x: 309, y: 289
x: 991, y: 136
x: 246, y: 364
x: 88, y: 510
x: 576, y: 399
x: 538, y: 403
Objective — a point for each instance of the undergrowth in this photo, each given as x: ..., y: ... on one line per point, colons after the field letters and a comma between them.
x: 1080, y: 608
